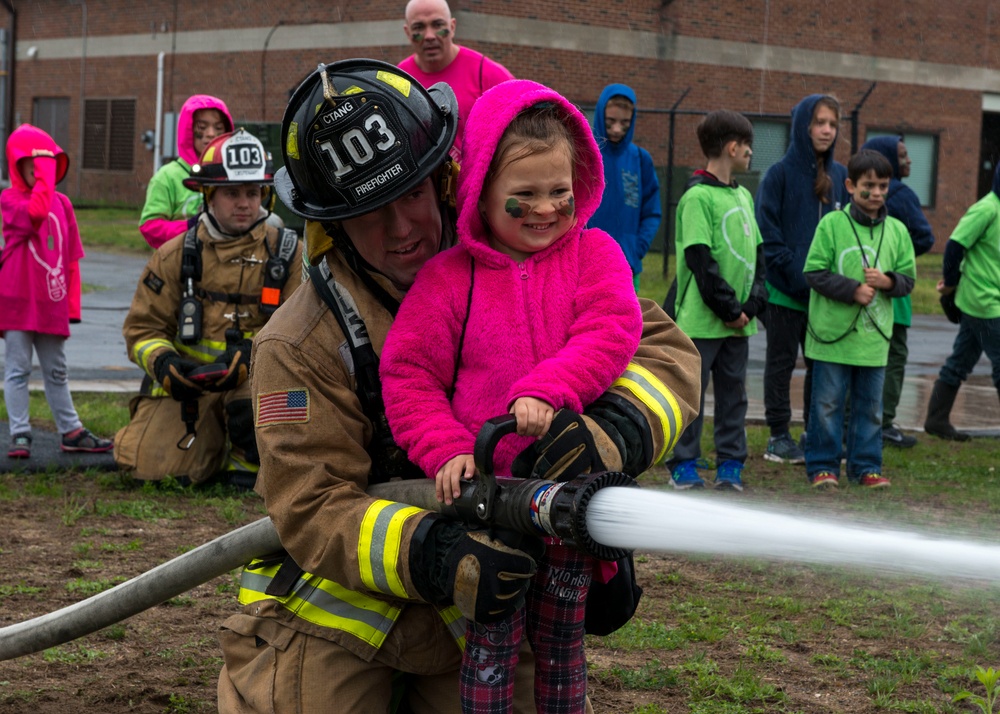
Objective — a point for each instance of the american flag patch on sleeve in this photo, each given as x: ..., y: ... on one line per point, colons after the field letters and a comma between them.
x: 287, y: 407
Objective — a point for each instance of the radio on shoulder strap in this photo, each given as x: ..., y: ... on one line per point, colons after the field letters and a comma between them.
x: 276, y: 270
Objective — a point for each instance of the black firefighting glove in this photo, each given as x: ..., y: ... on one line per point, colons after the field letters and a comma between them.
x: 574, y: 445
x: 239, y: 426
x: 481, y: 575
x: 237, y: 359
x: 171, y: 371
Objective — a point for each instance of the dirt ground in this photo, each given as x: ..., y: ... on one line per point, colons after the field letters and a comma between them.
x: 64, y: 536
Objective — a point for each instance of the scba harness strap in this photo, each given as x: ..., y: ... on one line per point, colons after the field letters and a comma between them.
x: 276, y: 272
x: 388, y: 459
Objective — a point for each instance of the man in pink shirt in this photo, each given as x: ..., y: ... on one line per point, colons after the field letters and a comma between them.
x: 436, y: 58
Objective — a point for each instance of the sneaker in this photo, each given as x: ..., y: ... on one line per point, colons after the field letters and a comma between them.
x: 728, y: 475
x: 875, y: 480
x: 20, y: 446
x: 685, y: 475
x: 892, y: 436
x: 824, y: 479
x: 784, y: 450
x: 83, y: 440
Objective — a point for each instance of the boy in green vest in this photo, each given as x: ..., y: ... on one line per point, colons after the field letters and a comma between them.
x: 859, y: 260
x: 720, y: 290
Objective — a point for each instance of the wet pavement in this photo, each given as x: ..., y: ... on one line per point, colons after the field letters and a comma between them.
x: 98, y: 361
x: 95, y: 351
x: 977, y: 408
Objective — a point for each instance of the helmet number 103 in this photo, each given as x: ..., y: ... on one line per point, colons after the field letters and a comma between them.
x: 358, y: 146
x: 244, y: 156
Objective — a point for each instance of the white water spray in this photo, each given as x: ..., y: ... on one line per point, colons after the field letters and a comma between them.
x: 648, y: 520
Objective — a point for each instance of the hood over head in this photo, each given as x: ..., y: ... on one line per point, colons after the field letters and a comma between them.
x: 801, y: 150
x: 613, y: 90
x: 185, y: 124
x: 27, y: 141
x: 488, y: 120
x: 888, y: 146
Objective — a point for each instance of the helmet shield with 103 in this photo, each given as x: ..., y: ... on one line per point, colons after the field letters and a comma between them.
x: 231, y: 159
x: 358, y: 135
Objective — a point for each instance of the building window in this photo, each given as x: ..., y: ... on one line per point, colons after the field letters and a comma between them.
x: 108, y: 134
x: 770, y: 142
x: 923, y: 151
x: 51, y: 114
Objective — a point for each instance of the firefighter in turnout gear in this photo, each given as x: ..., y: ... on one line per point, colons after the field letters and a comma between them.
x: 202, y: 298
x: 365, y: 588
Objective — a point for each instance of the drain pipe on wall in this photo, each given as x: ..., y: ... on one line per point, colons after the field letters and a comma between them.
x: 83, y: 88
x: 158, y: 132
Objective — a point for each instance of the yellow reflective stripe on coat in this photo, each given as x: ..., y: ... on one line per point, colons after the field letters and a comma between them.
x: 379, y: 545
x: 201, y: 351
x: 658, y: 398
x: 142, y: 351
x: 324, y: 603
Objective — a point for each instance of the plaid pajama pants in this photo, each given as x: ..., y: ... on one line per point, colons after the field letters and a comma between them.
x: 553, y: 616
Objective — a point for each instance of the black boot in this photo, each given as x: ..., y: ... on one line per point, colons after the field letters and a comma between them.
x: 938, y: 421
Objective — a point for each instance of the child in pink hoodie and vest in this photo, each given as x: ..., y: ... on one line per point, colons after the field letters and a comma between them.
x: 40, y: 255
x: 529, y: 314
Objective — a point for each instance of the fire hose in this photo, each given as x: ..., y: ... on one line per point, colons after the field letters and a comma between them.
x: 531, y: 506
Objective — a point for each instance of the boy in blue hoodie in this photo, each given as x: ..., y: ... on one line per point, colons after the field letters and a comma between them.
x: 903, y: 205
x: 630, y: 209
x: 795, y: 194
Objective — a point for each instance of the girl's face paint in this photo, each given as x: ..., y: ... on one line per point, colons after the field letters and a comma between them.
x: 517, y: 209
x: 529, y: 204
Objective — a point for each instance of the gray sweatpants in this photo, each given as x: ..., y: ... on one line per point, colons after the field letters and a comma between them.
x: 17, y: 369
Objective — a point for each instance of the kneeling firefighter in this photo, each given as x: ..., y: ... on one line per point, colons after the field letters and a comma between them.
x: 202, y: 298
x: 366, y: 587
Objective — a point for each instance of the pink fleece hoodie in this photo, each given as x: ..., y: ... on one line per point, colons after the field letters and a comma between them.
x: 560, y: 326
x: 39, y: 277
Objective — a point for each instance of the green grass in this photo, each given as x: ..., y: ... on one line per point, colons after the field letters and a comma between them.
x: 111, y: 229
x: 103, y: 414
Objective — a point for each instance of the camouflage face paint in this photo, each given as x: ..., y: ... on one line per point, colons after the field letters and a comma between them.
x: 417, y: 37
x: 443, y: 32
x: 866, y: 194
x: 567, y: 208
x: 515, y: 208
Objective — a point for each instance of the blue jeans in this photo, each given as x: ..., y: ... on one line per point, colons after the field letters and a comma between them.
x: 830, y: 385
x: 975, y: 336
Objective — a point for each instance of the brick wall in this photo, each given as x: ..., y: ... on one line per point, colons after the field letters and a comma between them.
x: 957, y: 33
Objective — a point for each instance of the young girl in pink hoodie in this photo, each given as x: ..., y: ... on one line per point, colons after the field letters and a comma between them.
x: 40, y: 255
x: 530, y: 313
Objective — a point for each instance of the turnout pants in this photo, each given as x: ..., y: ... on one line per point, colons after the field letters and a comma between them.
x: 270, y: 667
x: 147, y: 447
